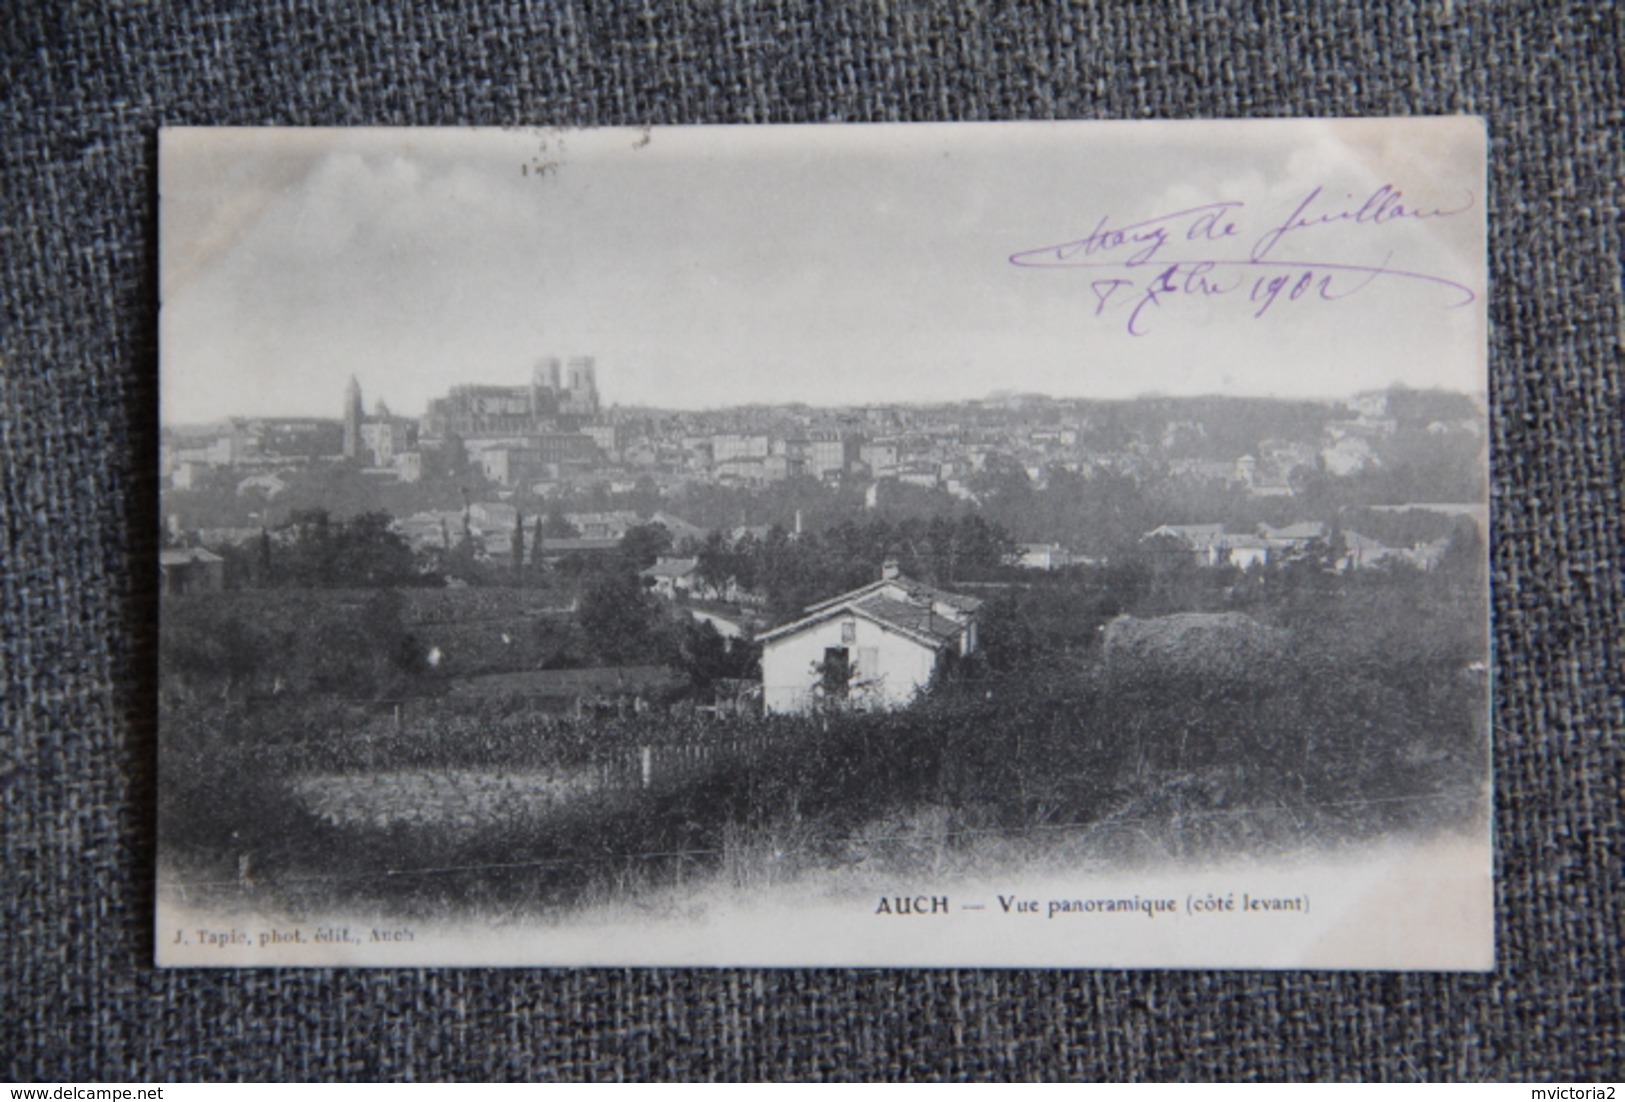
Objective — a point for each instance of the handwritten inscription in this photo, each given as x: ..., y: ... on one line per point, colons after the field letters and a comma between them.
x: 1209, y: 252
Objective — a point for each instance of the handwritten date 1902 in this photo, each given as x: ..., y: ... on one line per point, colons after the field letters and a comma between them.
x: 1137, y: 275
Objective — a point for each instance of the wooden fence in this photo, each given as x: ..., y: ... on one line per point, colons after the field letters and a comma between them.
x: 667, y: 764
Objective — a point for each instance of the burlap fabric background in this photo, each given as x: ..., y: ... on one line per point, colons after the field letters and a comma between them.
x: 85, y: 89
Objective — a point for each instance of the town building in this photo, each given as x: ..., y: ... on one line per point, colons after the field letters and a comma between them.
x: 509, y: 464
x: 190, y: 570
x: 1042, y: 556
x: 874, y: 648
x: 377, y: 441
x: 298, y: 438
x: 1244, y: 551
x: 1293, y: 537
x: 438, y: 529
x: 556, y: 391
x: 681, y: 530
x: 734, y: 445
x: 832, y: 452
x: 609, y: 438
x: 492, y: 517
x: 188, y: 474
x: 385, y: 438
x: 612, y: 525
x: 409, y: 466
x: 673, y: 576
x: 881, y: 458
x: 740, y: 471
x: 576, y: 393
x: 1204, y: 542
x: 778, y: 468
x: 564, y: 448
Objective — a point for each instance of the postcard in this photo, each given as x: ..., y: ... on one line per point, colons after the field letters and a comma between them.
x: 1053, y: 545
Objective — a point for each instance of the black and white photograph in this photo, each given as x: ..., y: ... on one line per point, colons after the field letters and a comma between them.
x: 981, y: 544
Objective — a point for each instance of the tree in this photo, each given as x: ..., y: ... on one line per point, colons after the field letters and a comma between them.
x: 835, y: 674
x: 263, y: 549
x: 1462, y: 563
x: 518, y: 547
x: 1008, y: 640
x: 362, y: 552
x: 715, y: 562
x: 618, y: 617
x: 644, y: 544
x: 206, y: 645
x: 645, y: 496
x: 310, y: 558
x: 970, y: 543
x: 368, y: 553
x: 700, y: 651
x: 558, y: 527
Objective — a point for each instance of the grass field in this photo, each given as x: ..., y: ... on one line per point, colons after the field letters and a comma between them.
x: 302, y: 739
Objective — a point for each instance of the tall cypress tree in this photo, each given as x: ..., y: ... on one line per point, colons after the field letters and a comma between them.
x: 265, y: 557
x: 518, y: 547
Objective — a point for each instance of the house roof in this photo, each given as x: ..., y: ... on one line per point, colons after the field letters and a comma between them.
x: 671, y: 568
x: 1354, y: 541
x: 911, y: 624
x: 495, y: 512
x: 914, y: 617
x: 614, y: 516
x: 1303, y: 530
x: 180, y: 556
x: 562, y: 546
x: 915, y: 591
x: 679, y: 528
x: 1194, y: 534
x: 908, y: 618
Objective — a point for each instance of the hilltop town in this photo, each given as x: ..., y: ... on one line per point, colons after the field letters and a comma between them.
x: 527, y: 622
x: 1071, y: 480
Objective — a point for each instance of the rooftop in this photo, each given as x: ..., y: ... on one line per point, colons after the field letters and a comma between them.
x: 671, y: 568
x: 179, y: 556
x: 909, y: 618
x: 901, y: 604
x: 910, y: 589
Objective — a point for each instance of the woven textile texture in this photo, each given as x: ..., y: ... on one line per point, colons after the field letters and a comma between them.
x: 86, y: 87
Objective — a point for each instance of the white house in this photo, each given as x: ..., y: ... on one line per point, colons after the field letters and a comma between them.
x: 1294, y: 537
x: 673, y: 576
x: 1243, y: 551
x: 874, y: 647
x: 1041, y: 556
x: 1201, y: 540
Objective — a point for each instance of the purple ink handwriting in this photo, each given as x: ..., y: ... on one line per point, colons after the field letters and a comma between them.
x: 1143, y: 266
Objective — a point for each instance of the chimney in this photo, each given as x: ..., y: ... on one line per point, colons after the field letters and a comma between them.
x: 889, y: 569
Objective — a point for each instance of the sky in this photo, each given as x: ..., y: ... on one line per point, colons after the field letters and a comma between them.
x: 834, y: 265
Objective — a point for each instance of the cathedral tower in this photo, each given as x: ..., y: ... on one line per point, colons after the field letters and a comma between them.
x: 544, y: 387
x: 582, y: 383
